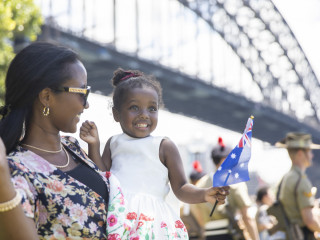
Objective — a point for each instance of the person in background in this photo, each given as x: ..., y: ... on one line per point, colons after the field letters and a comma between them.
x: 55, y: 190
x: 296, y: 192
x: 197, y: 172
x: 194, y: 229
x: 265, y: 198
x: 238, y: 202
x: 143, y: 163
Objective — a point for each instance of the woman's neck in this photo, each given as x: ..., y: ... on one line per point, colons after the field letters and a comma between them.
x: 37, y: 135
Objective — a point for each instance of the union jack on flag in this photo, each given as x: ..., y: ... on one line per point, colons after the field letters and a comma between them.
x: 246, y: 137
x: 234, y: 169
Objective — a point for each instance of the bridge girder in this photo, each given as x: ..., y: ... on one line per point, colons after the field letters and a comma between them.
x: 266, y: 46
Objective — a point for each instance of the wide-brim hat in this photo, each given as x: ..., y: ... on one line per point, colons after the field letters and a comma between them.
x: 297, y: 140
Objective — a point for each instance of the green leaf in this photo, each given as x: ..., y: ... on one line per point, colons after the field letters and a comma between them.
x: 18, y: 19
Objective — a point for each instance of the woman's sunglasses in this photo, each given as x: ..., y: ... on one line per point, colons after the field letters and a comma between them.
x: 84, y: 92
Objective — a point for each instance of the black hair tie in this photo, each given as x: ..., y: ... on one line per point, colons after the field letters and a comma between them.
x: 4, y: 111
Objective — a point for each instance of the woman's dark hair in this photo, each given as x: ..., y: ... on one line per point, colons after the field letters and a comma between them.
x: 36, y: 67
x: 123, y: 81
x: 261, y: 193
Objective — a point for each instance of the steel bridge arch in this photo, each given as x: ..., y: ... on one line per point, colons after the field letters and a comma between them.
x: 267, y: 47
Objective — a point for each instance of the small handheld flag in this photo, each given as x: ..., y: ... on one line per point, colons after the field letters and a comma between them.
x: 234, y: 168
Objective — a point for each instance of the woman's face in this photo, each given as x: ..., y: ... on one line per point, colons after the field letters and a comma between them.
x: 66, y: 107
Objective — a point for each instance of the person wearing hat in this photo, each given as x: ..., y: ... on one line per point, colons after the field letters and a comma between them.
x: 195, y: 231
x: 296, y: 192
x: 238, y: 204
x: 196, y: 173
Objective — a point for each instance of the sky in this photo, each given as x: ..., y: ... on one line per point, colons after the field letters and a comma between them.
x: 303, y: 16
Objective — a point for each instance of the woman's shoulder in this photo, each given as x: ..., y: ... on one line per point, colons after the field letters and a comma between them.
x: 18, y: 154
x: 23, y: 161
x: 70, y: 140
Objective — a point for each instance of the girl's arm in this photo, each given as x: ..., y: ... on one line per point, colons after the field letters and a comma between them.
x: 186, y: 192
x: 13, y: 223
x: 89, y: 134
x: 106, y: 156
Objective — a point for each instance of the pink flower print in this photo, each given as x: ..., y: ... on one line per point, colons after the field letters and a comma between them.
x: 58, y: 231
x: 139, y: 224
x: 179, y: 224
x: 27, y: 208
x: 68, y: 202
x: 114, y: 236
x: 131, y: 215
x: 145, y: 218
x: 93, y: 227
x: 36, y: 163
x: 126, y: 227
x: 112, y: 220
x: 43, y: 214
x: 56, y: 186
x: 163, y: 224
x: 20, y: 182
x: 22, y: 167
x: 135, y: 238
x: 78, y: 213
x: 121, y: 200
x: 64, y: 219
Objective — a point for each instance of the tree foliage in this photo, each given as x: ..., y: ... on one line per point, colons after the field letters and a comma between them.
x: 19, y: 19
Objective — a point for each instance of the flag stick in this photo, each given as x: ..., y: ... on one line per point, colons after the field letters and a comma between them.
x: 215, y: 204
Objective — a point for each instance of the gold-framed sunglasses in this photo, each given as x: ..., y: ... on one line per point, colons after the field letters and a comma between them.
x: 84, y: 92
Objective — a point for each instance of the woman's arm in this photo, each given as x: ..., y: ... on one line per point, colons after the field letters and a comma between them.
x: 186, y: 192
x: 14, y: 225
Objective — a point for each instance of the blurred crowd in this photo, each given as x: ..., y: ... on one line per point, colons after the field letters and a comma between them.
x: 287, y: 211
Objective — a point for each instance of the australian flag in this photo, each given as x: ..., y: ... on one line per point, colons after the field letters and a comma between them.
x: 234, y: 168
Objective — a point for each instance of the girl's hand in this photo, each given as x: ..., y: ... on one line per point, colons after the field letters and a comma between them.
x: 89, y: 132
x: 214, y: 194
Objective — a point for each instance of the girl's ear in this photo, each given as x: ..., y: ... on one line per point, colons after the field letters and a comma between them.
x: 116, y: 114
x: 44, y: 96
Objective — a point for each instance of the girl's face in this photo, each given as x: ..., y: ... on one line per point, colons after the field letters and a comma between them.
x: 67, y: 107
x: 138, y: 114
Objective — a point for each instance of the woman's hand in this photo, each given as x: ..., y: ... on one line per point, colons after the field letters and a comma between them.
x: 214, y: 194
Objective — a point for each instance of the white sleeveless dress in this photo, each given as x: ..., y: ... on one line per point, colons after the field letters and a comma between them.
x: 142, y: 212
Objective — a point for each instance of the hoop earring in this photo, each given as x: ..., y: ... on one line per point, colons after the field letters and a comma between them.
x: 46, y: 111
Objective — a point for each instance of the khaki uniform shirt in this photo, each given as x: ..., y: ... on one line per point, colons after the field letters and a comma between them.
x: 294, y: 202
x: 237, y: 199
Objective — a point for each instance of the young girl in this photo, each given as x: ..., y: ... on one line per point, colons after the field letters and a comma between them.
x: 144, y: 164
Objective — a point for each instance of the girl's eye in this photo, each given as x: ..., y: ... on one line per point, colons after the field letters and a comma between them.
x: 153, y: 109
x: 134, y: 108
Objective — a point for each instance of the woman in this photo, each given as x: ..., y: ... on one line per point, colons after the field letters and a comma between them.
x: 63, y: 194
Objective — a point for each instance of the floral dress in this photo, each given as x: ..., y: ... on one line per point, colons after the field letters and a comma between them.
x: 139, y: 185
x: 61, y: 206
